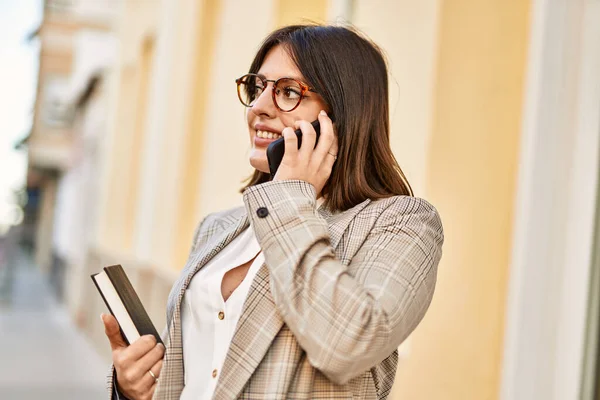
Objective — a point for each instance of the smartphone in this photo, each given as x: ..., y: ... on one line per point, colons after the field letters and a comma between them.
x: 276, y: 149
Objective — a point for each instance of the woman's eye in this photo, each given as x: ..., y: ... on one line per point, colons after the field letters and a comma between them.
x: 291, y: 93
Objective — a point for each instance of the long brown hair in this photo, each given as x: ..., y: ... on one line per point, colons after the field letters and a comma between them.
x: 350, y: 74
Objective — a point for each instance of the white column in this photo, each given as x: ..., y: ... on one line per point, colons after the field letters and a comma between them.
x: 555, y: 205
x: 340, y: 11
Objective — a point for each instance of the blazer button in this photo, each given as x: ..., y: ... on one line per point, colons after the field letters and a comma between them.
x: 262, y: 212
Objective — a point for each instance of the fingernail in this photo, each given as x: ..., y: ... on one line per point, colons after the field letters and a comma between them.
x: 102, y: 317
x: 323, y: 113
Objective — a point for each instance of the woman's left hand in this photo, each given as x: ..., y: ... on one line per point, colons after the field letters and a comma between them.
x: 309, y: 163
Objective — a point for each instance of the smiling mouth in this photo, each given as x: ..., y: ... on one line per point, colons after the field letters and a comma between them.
x: 267, y: 135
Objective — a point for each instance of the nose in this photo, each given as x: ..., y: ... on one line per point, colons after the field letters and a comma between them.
x: 264, y: 105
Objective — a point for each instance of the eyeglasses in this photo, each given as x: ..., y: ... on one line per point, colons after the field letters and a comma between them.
x: 287, y: 92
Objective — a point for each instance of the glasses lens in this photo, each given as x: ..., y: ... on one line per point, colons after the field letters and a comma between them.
x: 250, y: 88
x: 288, y: 94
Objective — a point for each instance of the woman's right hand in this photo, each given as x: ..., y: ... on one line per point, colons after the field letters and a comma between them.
x: 132, y: 362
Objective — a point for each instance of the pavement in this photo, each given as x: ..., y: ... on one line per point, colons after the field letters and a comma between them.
x: 42, y: 353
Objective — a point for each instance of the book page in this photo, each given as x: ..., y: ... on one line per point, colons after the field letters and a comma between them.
x: 117, y: 307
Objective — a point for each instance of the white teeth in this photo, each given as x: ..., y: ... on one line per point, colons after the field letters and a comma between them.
x: 267, y: 135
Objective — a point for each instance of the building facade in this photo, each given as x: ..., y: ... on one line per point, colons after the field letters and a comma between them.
x: 495, y: 112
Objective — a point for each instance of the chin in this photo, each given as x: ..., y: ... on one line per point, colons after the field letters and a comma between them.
x: 258, y: 160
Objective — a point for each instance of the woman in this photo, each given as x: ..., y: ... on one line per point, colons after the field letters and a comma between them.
x: 307, y: 291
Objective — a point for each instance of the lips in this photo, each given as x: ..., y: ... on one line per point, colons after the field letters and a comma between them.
x: 262, y: 142
x: 265, y: 135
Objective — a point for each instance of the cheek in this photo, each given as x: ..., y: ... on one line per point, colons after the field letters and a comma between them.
x: 289, y: 120
x: 249, y: 121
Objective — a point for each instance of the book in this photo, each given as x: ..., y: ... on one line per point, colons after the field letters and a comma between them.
x: 124, y: 304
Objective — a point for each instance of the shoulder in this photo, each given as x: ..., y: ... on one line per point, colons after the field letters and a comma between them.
x: 403, y: 205
x: 406, y: 211
x: 224, y: 217
x: 214, y: 223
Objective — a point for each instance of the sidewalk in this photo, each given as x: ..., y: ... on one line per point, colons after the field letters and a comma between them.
x: 42, y: 354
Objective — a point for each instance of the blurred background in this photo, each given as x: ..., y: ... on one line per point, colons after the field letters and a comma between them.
x: 120, y: 129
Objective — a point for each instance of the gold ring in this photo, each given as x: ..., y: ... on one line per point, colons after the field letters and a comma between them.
x: 154, y: 376
x: 334, y: 155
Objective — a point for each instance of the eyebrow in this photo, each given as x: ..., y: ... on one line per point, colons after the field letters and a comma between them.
x: 287, y: 76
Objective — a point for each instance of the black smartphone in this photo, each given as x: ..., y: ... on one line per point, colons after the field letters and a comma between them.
x: 277, y: 148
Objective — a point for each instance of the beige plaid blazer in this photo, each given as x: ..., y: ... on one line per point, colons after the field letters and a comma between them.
x: 326, y: 313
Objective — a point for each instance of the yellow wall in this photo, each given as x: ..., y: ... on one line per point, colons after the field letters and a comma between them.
x: 120, y: 190
x: 129, y: 134
x: 127, y: 131
x: 407, y: 31
x: 296, y: 12
x: 456, y: 351
x: 140, y: 104
x: 188, y: 196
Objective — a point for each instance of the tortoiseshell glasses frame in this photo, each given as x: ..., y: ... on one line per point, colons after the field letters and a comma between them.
x: 287, y: 93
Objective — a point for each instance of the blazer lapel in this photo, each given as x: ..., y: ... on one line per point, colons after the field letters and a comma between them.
x: 260, y: 321
x: 258, y: 325
x: 172, y: 374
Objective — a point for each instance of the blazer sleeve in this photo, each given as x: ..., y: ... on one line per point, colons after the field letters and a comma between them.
x: 345, y: 326
x: 113, y: 391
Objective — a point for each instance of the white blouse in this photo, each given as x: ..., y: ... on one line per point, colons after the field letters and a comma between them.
x: 208, y: 322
